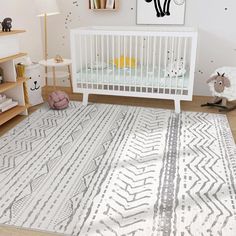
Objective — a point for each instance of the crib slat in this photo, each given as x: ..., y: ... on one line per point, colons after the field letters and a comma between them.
x: 179, y: 63
x: 159, y: 64
x: 136, y: 63
x: 147, y: 61
x: 130, y: 55
x: 102, y: 61
x: 81, y: 58
x: 167, y: 54
x: 113, y: 58
x: 124, y: 72
x: 154, y: 63
x: 171, y: 66
x: 108, y: 54
x: 119, y: 62
x: 96, y: 55
x: 86, y: 57
x: 184, y: 62
x: 91, y: 58
x: 141, y: 57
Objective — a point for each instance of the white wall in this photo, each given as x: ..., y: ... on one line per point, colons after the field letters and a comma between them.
x: 23, y: 15
x: 215, y: 20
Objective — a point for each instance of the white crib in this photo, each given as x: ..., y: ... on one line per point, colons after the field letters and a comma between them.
x: 134, y: 61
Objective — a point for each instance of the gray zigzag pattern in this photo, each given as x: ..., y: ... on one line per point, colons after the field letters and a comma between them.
x: 201, y: 158
x: 115, y: 170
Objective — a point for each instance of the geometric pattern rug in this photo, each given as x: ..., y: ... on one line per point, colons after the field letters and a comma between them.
x: 109, y: 170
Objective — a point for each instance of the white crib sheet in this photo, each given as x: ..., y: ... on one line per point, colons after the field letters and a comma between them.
x: 132, y: 77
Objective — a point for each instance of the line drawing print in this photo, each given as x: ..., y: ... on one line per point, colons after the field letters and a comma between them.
x: 164, y: 10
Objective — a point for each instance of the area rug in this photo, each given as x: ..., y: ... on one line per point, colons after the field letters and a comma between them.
x: 117, y: 170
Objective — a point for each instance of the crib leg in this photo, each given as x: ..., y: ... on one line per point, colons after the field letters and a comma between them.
x: 85, y: 99
x: 177, y: 106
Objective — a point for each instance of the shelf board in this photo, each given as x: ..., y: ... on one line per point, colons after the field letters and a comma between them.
x: 13, y: 57
x: 59, y: 74
x: 12, y: 32
x: 10, y: 85
x: 101, y: 9
x: 8, y: 115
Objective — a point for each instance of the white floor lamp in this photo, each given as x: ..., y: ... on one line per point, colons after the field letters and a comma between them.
x: 44, y: 9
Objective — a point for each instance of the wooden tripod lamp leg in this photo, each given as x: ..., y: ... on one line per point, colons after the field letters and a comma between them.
x: 45, y: 38
x: 70, y: 78
x: 54, y: 76
x: 45, y: 47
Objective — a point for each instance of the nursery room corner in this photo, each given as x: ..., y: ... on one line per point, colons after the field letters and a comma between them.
x: 117, y: 118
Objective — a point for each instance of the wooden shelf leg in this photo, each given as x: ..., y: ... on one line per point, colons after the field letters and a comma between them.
x: 46, y: 76
x: 54, y: 76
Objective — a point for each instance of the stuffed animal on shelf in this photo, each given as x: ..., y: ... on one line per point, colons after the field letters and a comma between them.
x: 1, y: 75
x: 7, y: 25
x: 58, y: 100
x: 125, y: 62
x: 223, y: 87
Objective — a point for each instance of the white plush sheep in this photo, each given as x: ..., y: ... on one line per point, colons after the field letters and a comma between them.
x: 223, y: 83
x: 223, y: 87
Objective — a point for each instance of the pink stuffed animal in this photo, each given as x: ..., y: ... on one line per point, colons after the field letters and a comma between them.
x: 58, y: 100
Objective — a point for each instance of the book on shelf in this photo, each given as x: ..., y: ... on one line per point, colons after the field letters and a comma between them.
x: 96, y: 4
x: 110, y: 4
x: 5, y: 102
x: 91, y: 4
x: 9, y: 106
x: 103, y: 4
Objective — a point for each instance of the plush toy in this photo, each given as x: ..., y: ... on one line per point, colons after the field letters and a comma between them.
x: 58, y: 59
x: 125, y: 62
x: 97, y: 66
x: 175, y: 69
x: 223, y: 87
x: 6, y: 24
x: 58, y: 100
x: 175, y: 66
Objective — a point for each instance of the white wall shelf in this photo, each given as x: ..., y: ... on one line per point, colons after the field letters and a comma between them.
x: 115, y: 7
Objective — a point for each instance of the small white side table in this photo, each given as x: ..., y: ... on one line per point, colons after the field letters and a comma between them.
x: 50, y: 63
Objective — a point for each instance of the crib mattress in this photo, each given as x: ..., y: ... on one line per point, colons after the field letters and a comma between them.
x: 131, y: 77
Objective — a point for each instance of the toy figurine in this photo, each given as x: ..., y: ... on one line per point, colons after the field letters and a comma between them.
x: 58, y: 59
x: 6, y: 25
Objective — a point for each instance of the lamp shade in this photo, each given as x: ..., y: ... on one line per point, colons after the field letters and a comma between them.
x: 48, y: 7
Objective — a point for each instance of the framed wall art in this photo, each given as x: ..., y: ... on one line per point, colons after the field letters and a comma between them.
x: 167, y: 12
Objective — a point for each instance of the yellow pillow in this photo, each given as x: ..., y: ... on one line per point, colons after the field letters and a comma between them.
x: 125, y: 62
